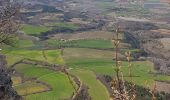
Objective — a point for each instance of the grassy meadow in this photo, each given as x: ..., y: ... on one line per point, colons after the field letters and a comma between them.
x: 61, y: 88
x: 100, y: 62
x: 89, y: 43
x: 97, y: 90
x: 85, y: 58
x: 34, y: 29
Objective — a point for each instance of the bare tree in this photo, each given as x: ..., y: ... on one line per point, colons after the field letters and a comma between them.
x: 9, y: 25
x: 9, y: 9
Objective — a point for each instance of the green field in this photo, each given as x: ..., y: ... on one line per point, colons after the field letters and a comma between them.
x: 63, y: 44
x: 34, y: 30
x: 30, y: 87
x: 24, y: 44
x: 61, y: 88
x: 99, y: 44
x: 97, y: 90
x: 101, y: 63
x: 65, y: 25
x: 84, y: 62
x: 53, y: 56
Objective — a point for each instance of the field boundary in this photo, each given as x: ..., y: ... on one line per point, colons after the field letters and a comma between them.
x: 53, y: 67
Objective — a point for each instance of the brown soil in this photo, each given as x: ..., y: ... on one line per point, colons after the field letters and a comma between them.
x: 163, y: 86
x: 162, y: 31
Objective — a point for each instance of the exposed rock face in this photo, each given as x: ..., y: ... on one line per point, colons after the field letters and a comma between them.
x: 6, y: 90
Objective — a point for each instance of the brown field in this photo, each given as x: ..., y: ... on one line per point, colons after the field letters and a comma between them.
x: 86, y: 53
x: 162, y: 31
x: 85, y: 35
x: 79, y: 21
x: 79, y: 53
x: 163, y: 86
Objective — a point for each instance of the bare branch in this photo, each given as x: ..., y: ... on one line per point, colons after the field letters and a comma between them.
x: 9, y: 10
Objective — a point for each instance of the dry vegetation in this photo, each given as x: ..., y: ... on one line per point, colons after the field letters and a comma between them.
x: 85, y: 35
x: 162, y: 31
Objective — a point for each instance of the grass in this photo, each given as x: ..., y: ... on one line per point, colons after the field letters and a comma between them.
x: 61, y: 88
x: 53, y: 56
x: 96, y: 89
x: 19, y: 44
x: 106, y: 5
x: 33, y: 29
x: 85, y: 63
x: 89, y: 43
x: 30, y: 88
x: 24, y: 44
x: 72, y: 53
x: 16, y: 80
x: 101, y: 63
x: 65, y: 25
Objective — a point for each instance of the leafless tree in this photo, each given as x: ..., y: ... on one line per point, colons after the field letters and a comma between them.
x: 9, y: 25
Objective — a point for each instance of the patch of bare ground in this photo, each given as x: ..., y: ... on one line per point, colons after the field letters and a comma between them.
x: 162, y: 31
x: 165, y: 42
x: 85, y: 35
x: 133, y: 19
x: 79, y: 21
x: 163, y: 86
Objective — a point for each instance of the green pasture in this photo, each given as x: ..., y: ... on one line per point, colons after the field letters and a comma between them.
x: 95, y: 43
x: 24, y: 44
x: 103, y: 64
x: 65, y: 25
x: 97, y: 90
x: 53, y: 56
x: 34, y: 29
x: 61, y: 88
x: 30, y: 88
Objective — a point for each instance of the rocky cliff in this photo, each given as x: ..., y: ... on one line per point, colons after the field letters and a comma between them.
x: 6, y: 90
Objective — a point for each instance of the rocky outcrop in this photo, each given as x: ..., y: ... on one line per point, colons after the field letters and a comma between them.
x: 6, y: 90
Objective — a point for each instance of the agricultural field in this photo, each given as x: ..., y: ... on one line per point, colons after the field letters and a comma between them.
x: 85, y: 35
x: 61, y: 88
x: 53, y: 56
x: 65, y: 25
x: 84, y: 62
x: 34, y: 29
x: 96, y: 89
x: 81, y: 49
x: 85, y: 58
x: 99, y: 44
x: 30, y: 88
x: 100, y: 62
x: 162, y: 31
